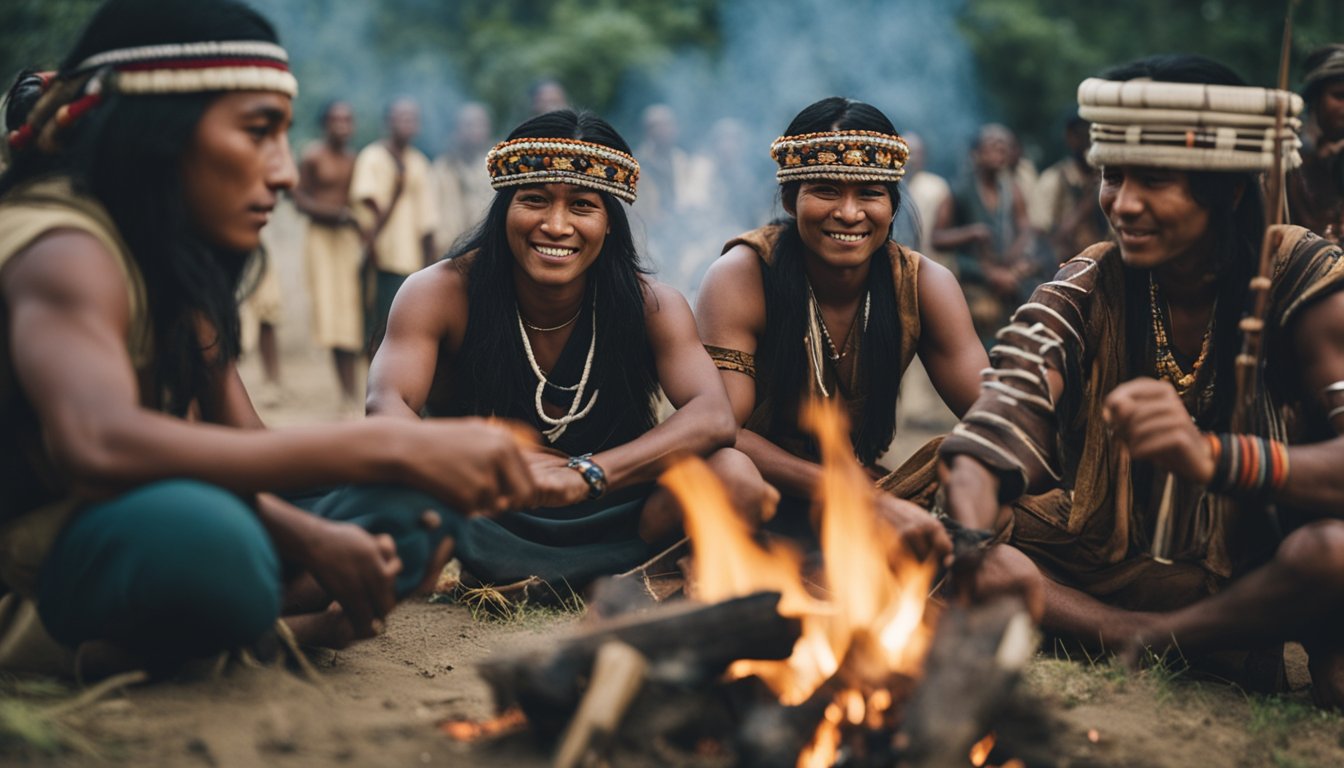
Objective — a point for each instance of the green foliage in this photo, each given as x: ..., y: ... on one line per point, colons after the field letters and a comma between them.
x: 37, y: 33
x: 501, y: 48
x: 1033, y: 53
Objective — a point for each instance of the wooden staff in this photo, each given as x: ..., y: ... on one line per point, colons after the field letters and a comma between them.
x: 1253, y: 325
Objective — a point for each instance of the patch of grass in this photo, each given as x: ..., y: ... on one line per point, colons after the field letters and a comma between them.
x: 488, y: 604
x: 33, y: 720
x: 1277, y: 715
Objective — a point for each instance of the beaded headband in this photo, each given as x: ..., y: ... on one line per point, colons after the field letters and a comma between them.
x: 230, y: 65
x: 862, y: 156
x: 1188, y: 126
x: 564, y: 161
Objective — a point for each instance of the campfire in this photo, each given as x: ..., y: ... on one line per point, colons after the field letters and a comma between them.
x: 865, y: 636
x: 774, y: 663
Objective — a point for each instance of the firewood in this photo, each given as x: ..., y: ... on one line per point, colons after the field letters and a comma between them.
x: 976, y: 660
x: 618, y: 674
x: 684, y: 642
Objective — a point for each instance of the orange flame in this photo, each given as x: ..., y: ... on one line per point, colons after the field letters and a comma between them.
x: 874, y: 620
x: 981, y: 749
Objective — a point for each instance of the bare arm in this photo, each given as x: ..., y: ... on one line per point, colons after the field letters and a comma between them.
x: 949, y: 237
x: 730, y: 312
x: 430, y: 311
x: 951, y: 352
x: 1315, y: 482
x: 69, y: 314
x: 703, y: 420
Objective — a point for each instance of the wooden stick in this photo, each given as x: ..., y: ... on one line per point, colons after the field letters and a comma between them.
x: 618, y: 674
x: 1162, y: 531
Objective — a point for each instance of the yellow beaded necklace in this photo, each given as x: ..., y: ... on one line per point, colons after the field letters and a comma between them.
x: 1167, y: 367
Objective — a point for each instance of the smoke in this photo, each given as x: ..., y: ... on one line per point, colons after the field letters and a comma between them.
x: 333, y: 51
x: 907, y: 58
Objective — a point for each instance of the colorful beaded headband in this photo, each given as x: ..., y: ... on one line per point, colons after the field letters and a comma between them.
x: 862, y: 156
x: 238, y: 65
x: 565, y: 161
x: 1188, y: 126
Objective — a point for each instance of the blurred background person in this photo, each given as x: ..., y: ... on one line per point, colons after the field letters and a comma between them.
x: 393, y: 197
x: 332, y: 246
x: 461, y: 184
x: 1316, y: 191
x: 674, y: 195
x: 928, y: 191
x: 547, y: 95
x: 985, y: 223
x: 1063, y: 207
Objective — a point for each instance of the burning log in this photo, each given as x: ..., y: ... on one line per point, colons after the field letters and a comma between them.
x: 975, y: 661
x: 694, y: 643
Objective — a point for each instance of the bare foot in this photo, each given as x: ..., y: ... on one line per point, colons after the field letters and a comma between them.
x: 327, y: 628
x: 304, y: 595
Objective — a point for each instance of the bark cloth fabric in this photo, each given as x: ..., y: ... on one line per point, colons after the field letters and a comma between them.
x: 1091, y: 528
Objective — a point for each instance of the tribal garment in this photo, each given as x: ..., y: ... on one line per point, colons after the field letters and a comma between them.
x: 567, y: 547
x: 1095, y: 535
x: 905, y: 279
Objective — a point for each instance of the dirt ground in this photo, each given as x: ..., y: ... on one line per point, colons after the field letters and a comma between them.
x: 380, y: 702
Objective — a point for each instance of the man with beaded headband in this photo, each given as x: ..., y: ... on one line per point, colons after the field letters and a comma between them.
x: 544, y: 315
x: 825, y: 304
x: 1115, y: 383
x: 137, y: 517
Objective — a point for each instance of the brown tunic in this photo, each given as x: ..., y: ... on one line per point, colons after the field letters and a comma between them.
x: 1095, y: 534
x: 905, y: 280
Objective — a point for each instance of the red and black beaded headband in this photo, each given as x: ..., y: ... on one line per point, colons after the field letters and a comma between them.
x: 860, y: 156
x: 565, y: 161
x: 225, y: 65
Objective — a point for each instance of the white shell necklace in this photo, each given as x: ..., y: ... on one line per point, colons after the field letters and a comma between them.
x: 558, y: 426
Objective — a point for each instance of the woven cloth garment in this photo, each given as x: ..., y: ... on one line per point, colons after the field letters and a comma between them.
x: 1189, y: 126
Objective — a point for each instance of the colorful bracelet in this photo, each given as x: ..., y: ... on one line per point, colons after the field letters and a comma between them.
x: 1247, y: 464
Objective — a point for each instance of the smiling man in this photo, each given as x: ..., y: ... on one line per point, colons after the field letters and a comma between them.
x: 1116, y: 382
x: 546, y: 316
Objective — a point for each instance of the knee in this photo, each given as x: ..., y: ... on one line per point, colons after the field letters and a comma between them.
x: 1313, y: 555
x: 751, y: 496
x: 220, y: 568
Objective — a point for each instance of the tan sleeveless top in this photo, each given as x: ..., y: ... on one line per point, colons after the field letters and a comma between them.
x: 35, y: 499
x: 905, y: 282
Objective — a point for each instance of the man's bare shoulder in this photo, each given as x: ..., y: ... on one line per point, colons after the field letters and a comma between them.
x: 69, y: 268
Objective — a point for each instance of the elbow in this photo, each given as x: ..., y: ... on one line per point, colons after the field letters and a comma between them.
x: 720, y: 431
x: 89, y: 458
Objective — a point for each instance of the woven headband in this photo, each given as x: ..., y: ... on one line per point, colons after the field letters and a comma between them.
x: 860, y: 156
x: 563, y: 161
x: 228, y: 65
x: 1188, y: 126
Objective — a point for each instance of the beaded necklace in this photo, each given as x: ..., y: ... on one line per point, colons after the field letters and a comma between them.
x: 575, y: 413
x: 565, y: 324
x: 1167, y: 367
x: 818, y: 337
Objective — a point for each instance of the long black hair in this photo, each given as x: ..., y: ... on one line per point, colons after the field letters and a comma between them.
x: 1236, y: 207
x: 126, y: 153
x: 487, y: 382
x: 786, y: 298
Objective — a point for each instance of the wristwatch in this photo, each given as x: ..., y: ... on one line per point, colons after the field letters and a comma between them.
x: 591, y: 473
